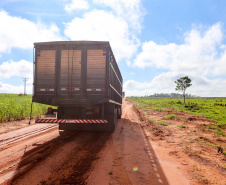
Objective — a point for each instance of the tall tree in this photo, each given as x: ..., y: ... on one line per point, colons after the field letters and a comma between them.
x: 182, y: 84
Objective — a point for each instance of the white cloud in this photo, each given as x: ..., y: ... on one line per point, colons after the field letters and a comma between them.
x: 162, y: 83
x: 104, y: 26
x: 219, y: 68
x: 159, y: 83
x: 131, y: 84
x: 21, y: 33
x: 198, y: 55
x: 76, y: 5
x: 130, y: 10
x: 136, y: 92
x: 7, y: 88
x: 23, y: 69
x: 165, y: 83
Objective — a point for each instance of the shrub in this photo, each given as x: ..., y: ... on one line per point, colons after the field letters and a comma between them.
x: 171, y: 116
x: 162, y: 124
x: 182, y: 126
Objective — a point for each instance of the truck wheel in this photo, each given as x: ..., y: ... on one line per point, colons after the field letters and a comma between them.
x: 119, y: 111
x: 111, y: 116
x: 59, y: 112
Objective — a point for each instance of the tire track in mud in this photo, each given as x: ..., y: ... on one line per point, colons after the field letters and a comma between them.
x: 82, y: 152
x: 80, y: 162
x: 33, y: 157
x: 121, y: 173
x: 11, y: 141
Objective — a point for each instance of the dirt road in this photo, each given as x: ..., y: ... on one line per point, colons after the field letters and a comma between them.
x: 40, y: 154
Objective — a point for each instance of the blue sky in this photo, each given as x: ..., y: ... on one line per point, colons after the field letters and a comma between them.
x: 155, y: 42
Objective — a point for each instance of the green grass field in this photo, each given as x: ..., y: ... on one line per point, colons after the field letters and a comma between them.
x: 14, y: 107
x: 212, y: 108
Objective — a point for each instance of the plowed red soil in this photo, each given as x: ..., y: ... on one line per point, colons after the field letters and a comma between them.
x: 135, y: 153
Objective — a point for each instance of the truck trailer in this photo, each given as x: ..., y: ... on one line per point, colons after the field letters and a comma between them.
x: 82, y: 79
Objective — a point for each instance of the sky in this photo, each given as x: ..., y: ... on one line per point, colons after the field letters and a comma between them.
x: 155, y: 42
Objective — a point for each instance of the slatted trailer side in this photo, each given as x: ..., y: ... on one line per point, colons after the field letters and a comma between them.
x: 82, y: 78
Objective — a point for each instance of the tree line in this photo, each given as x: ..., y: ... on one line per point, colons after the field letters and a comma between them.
x: 171, y: 95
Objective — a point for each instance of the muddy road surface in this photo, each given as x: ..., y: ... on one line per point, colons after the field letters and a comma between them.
x: 41, y: 154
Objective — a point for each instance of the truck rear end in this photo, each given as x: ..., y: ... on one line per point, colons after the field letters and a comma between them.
x: 83, y: 80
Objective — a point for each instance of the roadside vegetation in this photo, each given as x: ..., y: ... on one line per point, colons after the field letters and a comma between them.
x: 212, y: 108
x: 14, y: 107
x: 195, y: 128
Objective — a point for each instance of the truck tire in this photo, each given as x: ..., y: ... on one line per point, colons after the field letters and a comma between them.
x: 59, y: 112
x: 112, y: 115
x: 119, y: 112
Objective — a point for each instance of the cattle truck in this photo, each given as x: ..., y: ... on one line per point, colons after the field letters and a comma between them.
x: 80, y: 78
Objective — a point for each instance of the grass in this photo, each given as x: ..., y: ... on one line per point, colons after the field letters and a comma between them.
x: 212, y: 108
x: 182, y: 126
x: 212, y: 127
x: 157, y: 109
x: 193, y: 130
x: 14, y: 107
x: 171, y: 116
x: 162, y: 123
x: 201, y: 178
x: 211, y: 144
x: 151, y: 121
x: 193, y: 140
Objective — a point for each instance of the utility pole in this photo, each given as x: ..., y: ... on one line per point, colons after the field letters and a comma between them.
x: 25, y: 80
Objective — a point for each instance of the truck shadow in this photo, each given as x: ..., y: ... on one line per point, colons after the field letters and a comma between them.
x: 157, y: 169
x: 86, y: 145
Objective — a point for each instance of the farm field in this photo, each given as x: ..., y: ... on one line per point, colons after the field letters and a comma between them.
x: 193, y: 132
x: 213, y: 109
x: 14, y: 107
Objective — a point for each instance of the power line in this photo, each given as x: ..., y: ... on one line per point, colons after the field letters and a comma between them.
x: 25, y: 80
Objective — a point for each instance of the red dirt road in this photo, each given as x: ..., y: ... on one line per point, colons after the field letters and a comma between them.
x: 40, y: 154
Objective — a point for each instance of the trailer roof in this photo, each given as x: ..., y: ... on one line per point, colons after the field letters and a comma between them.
x: 71, y: 42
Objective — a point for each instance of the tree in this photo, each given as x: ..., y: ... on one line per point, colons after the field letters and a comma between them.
x: 182, y: 84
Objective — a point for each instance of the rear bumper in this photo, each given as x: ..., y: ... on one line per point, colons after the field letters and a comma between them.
x: 79, y: 124
x: 71, y: 121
